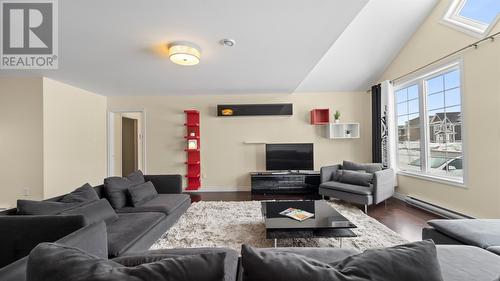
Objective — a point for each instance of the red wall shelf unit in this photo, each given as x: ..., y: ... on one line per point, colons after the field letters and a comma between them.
x: 320, y: 116
x: 192, y: 137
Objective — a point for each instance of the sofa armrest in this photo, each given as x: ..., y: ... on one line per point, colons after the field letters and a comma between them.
x: 20, y: 234
x: 328, y: 171
x: 383, y: 185
x: 92, y: 239
x: 165, y: 184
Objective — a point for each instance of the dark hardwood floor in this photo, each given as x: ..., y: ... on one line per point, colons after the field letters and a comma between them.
x: 397, y: 215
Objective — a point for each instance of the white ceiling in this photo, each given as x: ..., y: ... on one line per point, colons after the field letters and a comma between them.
x: 368, y: 45
x: 116, y: 47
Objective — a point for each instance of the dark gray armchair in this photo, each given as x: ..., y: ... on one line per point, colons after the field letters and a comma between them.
x: 364, y: 184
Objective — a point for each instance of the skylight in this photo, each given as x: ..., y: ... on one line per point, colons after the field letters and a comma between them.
x: 475, y: 17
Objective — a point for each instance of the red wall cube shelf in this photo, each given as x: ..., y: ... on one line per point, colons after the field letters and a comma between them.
x: 320, y: 116
x: 193, y: 163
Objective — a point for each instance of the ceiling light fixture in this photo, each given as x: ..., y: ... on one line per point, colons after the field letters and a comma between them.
x: 184, y: 53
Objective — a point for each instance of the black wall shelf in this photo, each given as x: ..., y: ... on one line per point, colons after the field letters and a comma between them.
x: 230, y: 110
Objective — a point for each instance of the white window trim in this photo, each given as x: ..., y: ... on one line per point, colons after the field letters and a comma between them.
x: 452, y: 18
x: 418, y: 79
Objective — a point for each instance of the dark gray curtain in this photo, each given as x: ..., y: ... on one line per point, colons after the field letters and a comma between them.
x: 376, y: 124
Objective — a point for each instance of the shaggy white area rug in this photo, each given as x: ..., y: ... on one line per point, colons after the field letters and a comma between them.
x: 230, y: 224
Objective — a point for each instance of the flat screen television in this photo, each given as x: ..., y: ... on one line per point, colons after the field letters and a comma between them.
x: 289, y: 156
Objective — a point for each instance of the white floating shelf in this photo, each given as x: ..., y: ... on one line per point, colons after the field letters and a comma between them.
x: 342, y: 131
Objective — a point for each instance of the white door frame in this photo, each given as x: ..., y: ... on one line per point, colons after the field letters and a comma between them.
x: 111, y: 136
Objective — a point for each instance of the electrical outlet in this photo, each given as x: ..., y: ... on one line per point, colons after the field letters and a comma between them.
x: 26, y: 192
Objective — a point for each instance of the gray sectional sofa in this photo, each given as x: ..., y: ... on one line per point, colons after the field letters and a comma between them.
x: 132, y: 229
x: 457, y: 262
x: 482, y: 233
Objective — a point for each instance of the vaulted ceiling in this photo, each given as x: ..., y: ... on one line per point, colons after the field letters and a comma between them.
x: 117, y: 47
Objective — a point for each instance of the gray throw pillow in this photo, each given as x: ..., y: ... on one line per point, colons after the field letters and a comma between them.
x: 356, y: 178
x: 55, y: 262
x: 85, y: 193
x: 31, y: 207
x: 139, y: 194
x: 95, y: 211
x: 411, y: 262
x: 368, y: 167
x: 337, y: 175
x: 116, y: 188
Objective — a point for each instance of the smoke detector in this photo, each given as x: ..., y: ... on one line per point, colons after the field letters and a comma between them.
x: 227, y: 42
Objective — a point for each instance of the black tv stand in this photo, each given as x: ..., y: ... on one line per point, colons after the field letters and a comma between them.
x: 285, y: 182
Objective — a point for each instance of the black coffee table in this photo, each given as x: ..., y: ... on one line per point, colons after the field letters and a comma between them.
x: 327, y: 222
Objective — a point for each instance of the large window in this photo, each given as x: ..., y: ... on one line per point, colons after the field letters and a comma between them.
x: 476, y: 17
x: 429, y: 125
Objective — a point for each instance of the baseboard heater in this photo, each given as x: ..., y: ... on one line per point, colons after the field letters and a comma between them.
x: 435, y: 209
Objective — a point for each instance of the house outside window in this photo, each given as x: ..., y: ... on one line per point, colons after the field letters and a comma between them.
x: 430, y: 125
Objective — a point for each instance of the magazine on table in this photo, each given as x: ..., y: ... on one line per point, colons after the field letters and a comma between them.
x: 297, y: 214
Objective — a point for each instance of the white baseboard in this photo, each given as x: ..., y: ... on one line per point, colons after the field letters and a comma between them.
x: 220, y: 189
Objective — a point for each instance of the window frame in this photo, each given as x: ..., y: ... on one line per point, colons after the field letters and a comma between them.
x: 452, y: 18
x: 420, y: 79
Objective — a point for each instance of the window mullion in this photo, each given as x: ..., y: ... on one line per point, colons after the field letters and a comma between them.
x: 424, y: 147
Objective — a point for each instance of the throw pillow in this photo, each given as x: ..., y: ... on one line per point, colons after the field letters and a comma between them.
x: 356, y: 178
x: 368, y: 167
x: 55, y: 262
x: 142, y: 193
x: 116, y: 188
x: 337, y: 175
x: 85, y: 193
x: 95, y: 211
x: 31, y: 207
x: 411, y: 262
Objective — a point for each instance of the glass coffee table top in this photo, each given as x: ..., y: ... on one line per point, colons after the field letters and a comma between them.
x: 327, y: 222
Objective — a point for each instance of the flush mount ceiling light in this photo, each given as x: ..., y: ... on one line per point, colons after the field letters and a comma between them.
x: 184, y: 53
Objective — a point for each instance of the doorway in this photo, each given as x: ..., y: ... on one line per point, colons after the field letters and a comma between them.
x: 125, y: 142
x: 130, y: 161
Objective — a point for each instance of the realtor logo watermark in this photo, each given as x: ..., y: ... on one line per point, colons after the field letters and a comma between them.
x: 29, y: 34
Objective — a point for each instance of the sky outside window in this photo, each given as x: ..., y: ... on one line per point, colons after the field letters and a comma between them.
x: 484, y: 11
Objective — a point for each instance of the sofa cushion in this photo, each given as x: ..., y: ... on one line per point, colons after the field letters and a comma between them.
x: 336, y: 175
x: 356, y: 178
x: 345, y: 187
x: 55, y: 262
x: 139, y: 194
x: 85, y: 193
x: 368, y: 167
x: 230, y: 261
x: 117, y: 188
x: 164, y: 203
x: 95, y: 211
x: 494, y: 249
x: 128, y: 228
x: 325, y: 255
x: 466, y: 263
x: 477, y: 232
x: 411, y: 262
x: 31, y: 207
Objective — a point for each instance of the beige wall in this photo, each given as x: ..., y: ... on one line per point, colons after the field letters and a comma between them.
x: 481, y: 115
x: 20, y: 140
x: 226, y: 159
x: 74, y: 137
